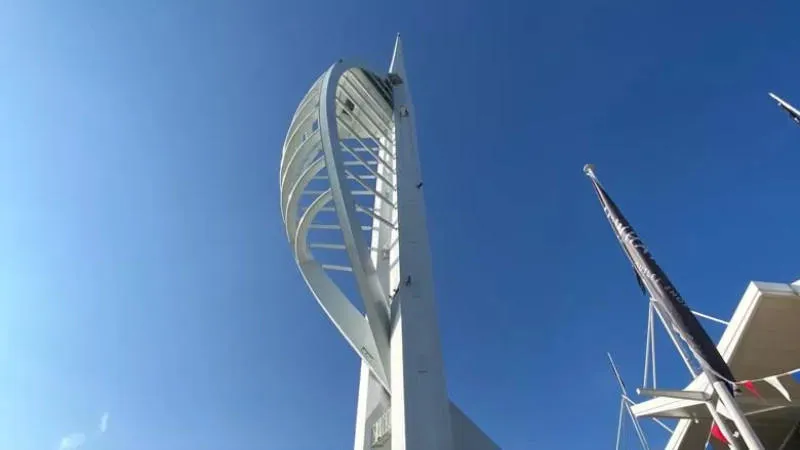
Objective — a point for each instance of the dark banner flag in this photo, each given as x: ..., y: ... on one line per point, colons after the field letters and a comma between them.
x: 661, y: 290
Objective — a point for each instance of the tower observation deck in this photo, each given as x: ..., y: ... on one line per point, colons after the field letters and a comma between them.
x: 352, y: 204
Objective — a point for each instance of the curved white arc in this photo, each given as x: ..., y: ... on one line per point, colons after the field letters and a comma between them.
x: 363, y: 269
x: 297, y: 189
x: 305, y: 150
x: 298, y: 152
x: 314, y: 91
x: 345, y: 317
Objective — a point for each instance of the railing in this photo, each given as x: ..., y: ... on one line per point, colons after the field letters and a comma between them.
x: 382, y: 429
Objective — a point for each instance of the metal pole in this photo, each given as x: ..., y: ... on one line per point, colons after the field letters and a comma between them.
x: 647, y: 343
x: 653, y: 345
x: 636, y: 426
x: 674, y: 339
x: 619, y: 423
x: 745, y: 430
x: 722, y: 425
x: 664, y: 426
x: 711, y: 318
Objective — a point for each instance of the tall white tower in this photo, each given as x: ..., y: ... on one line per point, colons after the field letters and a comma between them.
x: 352, y: 202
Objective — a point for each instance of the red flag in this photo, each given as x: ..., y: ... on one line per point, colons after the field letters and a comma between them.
x: 751, y: 387
x: 717, y: 433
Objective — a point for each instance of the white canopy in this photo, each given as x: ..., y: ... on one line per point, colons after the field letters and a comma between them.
x: 762, y: 339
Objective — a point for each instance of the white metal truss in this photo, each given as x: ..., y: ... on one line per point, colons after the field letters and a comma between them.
x: 338, y: 203
x: 649, y: 381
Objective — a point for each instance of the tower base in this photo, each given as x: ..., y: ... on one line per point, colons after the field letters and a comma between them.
x: 374, y: 426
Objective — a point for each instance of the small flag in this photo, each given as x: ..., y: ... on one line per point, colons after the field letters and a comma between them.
x: 751, y: 387
x: 776, y: 383
x: 717, y: 433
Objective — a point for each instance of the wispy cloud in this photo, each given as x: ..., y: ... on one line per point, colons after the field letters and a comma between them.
x: 104, y: 423
x: 72, y: 441
x: 77, y: 441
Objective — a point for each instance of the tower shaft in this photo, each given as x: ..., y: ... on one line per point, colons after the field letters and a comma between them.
x: 417, y: 413
x: 420, y: 405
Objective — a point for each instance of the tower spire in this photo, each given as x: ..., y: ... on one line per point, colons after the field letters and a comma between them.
x: 398, y: 65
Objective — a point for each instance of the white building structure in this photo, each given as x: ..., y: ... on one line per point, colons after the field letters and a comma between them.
x: 761, y: 340
x: 353, y: 207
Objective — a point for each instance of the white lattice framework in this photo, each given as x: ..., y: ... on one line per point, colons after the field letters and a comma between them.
x: 337, y: 175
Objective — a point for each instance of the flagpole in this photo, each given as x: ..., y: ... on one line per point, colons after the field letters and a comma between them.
x: 721, y: 424
x: 731, y: 405
x: 737, y: 415
x: 666, y: 297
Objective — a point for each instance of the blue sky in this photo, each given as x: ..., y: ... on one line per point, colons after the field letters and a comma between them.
x: 145, y: 274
